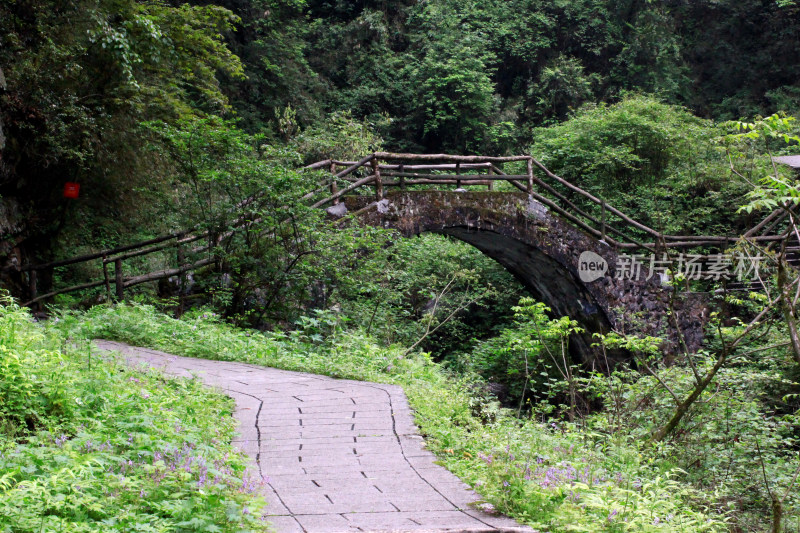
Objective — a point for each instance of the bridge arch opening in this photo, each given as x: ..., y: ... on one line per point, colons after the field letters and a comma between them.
x: 545, y: 279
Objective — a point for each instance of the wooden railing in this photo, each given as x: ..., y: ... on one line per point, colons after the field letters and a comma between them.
x: 381, y: 170
x: 116, y: 256
x: 559, y: 195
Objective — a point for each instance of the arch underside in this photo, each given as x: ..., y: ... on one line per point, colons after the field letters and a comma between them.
x: 546, y: 279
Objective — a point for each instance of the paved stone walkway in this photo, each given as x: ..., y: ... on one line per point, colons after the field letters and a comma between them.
x: 340, y: 455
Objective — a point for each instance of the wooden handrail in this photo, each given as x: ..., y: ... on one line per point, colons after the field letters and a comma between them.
x: 464, y: 177
x: 449, y: 157
x: 355, y: 166
x: 604, y: 226
x: 153, y: 249
x: 760, y: 225
x: 431, y: 166
x: 319, y: 164
x: 359, y: 183
x: 596, y: 200
x: 103, y: 253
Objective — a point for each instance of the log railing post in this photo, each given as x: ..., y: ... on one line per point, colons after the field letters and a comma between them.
x: 402, y: 178
x: 334, y: 186
x: 376, y: 171
x: 530, y: 175
x: 32, y: 282
x: 491, y: 181
x: 602, y: 220
x: 181, y: 256
x: 118, y: 281
x: 458, y: 171
x: 106, y: 279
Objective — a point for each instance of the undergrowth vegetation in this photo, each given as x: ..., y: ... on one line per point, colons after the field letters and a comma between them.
x: 550, y: 475
x: 87, y: 444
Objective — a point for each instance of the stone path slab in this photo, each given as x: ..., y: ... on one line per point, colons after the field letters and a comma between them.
x: 340, y: 455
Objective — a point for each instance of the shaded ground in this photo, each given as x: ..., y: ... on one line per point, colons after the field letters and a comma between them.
x: 339, y: 455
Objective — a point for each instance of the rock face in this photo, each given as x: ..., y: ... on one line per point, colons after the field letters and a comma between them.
x: 12, y: 230
x: 2, y: 137
x: 12, y: 223
x: 544, y: 252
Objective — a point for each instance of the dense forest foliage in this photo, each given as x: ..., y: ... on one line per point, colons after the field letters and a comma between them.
x: 174, y: 115
x: 122, y: 96
x: 81, y: 77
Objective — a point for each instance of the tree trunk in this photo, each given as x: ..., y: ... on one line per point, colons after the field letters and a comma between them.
x: 777, y: 516
x: 684, y: 406
x: 788, y: 309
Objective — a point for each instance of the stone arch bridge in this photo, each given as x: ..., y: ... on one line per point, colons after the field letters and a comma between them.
x: 539, y: 233
x: 543, y: 252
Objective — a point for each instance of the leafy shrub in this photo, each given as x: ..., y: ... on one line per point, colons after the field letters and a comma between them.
x: 530, y: 358
x: 341, y: 137
x: 556, y: 480
x: 658, y: 163
x: 393, y: 294
x: 739, y: 425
